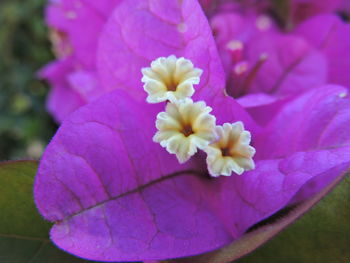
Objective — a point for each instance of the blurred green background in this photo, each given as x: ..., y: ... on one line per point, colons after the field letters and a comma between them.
x: 25, y: 127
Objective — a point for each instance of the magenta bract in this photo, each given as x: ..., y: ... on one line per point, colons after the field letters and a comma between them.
x: 115, y: 195
x: 333, y: 41
x: 265, y: 65
x: 75, y: 27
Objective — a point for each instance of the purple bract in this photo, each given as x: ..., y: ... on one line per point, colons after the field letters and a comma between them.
x: 114, y: 195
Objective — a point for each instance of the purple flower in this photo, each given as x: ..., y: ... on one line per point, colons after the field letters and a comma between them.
x: 115, y: 195
x: 265, y: 65
x: 258, y: 56
x: 74, y: 30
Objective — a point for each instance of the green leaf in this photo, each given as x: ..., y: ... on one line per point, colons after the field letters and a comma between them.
x: 18, y: 213
x: 23, y: 233
x: 323, y: 235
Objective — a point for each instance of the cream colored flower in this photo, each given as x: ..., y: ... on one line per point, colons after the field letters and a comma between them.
x: 169, y: 79
x: 185, y: 126
x: 232, y: 152
x: 60, y: 43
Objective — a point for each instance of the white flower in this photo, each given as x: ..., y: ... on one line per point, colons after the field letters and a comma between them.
x: 184, y: 127
x: 231, y: 152
x: 170, y: 78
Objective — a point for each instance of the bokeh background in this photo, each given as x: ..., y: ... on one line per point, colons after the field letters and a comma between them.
x: 25, y: 127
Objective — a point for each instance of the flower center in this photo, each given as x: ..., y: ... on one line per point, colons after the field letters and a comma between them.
x: 187, y: 130
x: 172, y: 84
x: 225, y: 151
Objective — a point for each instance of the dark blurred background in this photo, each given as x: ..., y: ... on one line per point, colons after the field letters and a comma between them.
x: 25, y: 127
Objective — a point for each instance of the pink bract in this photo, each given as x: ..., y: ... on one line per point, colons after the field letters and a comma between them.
x: 115, y: 195
x: 75, y: 28
x: 270, y: 65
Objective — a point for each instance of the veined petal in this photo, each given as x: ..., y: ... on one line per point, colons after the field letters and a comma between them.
x: 114, y: 195
x: 177, y: 28
x: 312, y: 133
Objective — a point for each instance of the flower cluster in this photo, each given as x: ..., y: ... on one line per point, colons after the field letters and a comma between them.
x: 186, y: 126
